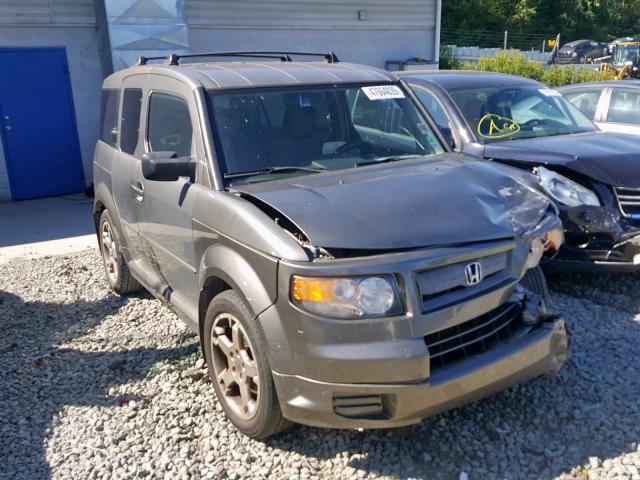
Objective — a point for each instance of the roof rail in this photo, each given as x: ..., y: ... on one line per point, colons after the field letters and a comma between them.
x: 174, y: 58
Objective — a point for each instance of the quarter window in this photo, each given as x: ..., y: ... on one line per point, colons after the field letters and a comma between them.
x: 130, y: 123
x: 169, y: 125
x: 109, y: 126
x: 624, y: 107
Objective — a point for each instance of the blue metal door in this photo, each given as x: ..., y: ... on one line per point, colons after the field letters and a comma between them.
x: 38, y: 123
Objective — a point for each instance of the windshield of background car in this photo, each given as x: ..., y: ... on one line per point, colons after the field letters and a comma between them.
x: 281, y: 132
x: 626, y: 53
x: 498, y: 114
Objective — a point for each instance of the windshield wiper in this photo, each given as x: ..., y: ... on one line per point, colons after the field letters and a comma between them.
x: 394, y: 158
x: 270, y: 170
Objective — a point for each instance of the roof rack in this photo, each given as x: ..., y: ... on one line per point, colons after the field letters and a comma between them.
x: 284, y: 56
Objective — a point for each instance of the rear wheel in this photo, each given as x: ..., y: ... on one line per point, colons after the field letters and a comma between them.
x: 534, y: 281
x: 238, y: 368
x: 118, y: 274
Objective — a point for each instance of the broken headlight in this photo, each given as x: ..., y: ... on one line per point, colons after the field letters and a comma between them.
x: 347, y: 297
x: 565, y: 191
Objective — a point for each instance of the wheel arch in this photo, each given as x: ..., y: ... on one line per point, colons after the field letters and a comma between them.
x: 223, y: 268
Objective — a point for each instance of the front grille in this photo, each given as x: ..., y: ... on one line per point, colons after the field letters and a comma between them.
x: 629, y: 202
x: 473, y: 337
x: 445, y: 286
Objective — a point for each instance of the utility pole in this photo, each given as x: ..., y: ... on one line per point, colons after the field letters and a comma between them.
x: 506, y: 38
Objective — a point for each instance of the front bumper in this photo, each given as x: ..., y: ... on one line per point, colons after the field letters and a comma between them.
x: 598, y: 239
x: 412, y: 365
x: 348, y: 405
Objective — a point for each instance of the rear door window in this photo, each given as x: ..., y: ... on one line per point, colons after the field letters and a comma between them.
x: 130, y: 122
x: 624, y: 107
x: 169, y: 125
x: 585, y: 100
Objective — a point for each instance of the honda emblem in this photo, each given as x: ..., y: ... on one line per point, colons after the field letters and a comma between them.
x: 473, y: 273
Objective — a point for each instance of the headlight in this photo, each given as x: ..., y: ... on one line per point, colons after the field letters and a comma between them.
x: 565, y: 191
x: 348, y: 297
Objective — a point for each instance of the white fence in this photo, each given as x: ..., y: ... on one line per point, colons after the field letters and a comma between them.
x: 472, y: 54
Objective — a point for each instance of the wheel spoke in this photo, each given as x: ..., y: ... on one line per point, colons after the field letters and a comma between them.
x: 250, y: 367
x: 248, y: 402
x: 224, y: 343
x: 226, y: 378
x: 236, y: 335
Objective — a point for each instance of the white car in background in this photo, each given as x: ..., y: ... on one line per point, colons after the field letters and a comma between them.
x: 614, y: 106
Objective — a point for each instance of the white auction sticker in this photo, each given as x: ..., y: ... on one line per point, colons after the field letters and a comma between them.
x: 383, y: 92
x: 547, y: 92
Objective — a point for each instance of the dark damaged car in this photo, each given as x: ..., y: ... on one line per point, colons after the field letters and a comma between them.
x: 342, y: 268
x: 593, y: 176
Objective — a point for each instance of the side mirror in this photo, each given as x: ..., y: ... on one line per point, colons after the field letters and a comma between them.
x: 166, y: 166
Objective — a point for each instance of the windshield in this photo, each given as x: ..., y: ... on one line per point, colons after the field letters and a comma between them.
x: 626, y: 53
x: 276, y: 133
x: 497, y: 114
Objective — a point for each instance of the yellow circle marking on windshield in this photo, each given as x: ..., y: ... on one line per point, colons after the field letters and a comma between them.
x: 495, y: 126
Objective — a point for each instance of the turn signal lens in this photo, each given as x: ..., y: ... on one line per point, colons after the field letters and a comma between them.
x: 553, y: 240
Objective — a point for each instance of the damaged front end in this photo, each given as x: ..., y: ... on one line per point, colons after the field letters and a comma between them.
x: 605, y: 236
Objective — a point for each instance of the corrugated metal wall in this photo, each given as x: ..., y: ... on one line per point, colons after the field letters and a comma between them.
x: 47, y: 12
x: 313, y: 13
x: 363, y: 31
x: 61, y: 23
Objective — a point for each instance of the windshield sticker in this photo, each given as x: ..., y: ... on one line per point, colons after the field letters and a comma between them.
x: 383, y: 92
x: 547, y: 92
x: 495, y: 126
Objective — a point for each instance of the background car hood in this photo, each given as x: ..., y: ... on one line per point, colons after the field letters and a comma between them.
x: 611, y: 158
x: 443, y: 200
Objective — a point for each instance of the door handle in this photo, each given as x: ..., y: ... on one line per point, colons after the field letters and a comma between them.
x: 138, y: 189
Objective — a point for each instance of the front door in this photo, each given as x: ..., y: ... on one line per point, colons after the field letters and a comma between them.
x: 38, y: 123
x: 166, y: 213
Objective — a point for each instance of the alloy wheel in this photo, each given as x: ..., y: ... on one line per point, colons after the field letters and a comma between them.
x: 234, y: 365
x: 109, y: 250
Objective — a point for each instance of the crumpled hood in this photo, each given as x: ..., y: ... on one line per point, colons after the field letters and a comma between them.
x: 611, y: 158
x: 444, y: 200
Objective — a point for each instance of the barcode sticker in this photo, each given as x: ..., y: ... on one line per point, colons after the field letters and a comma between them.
x: 383, y: 92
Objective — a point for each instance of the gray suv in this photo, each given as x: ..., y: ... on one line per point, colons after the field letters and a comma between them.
x: 341, y: 266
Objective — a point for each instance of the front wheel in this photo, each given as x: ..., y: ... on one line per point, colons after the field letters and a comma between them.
x: 238, y: 368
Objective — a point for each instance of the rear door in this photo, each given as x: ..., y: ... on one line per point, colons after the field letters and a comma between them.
x: 126, y: 170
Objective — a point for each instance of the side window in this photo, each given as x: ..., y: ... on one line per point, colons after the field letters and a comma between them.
x: 585, y: 100
x: 130, y: 123
x: 624, y: 107
x: 109, y: 127
x: 169, y: 125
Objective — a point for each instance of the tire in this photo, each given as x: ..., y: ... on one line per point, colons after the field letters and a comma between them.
x: 118, y: 274
x: 234, y: 349
x: 534, y: 281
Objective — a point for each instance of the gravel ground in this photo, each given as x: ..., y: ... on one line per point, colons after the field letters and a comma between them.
x: 98, y: 386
